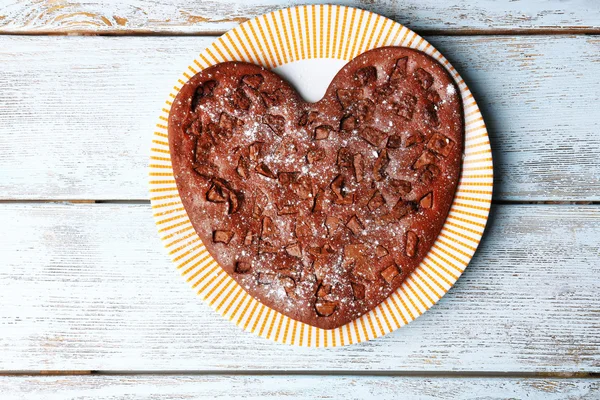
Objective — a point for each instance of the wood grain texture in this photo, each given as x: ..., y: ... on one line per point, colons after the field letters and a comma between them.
x: 174, y: 387
x: 78, y: 112
x: 189, y: 17
x: 90, y: 287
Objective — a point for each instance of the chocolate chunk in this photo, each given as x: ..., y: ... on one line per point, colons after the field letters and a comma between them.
x: 242, y: 267
x: 364, y: 110
x: 255, y: 98
x: 315, y: 155
x: 314, y: 250
x: 209, y: 87
x: 294, y: 250
x: 254, y: 80
x: 264, y: 170
x: 430, y: 172
x: 365, y: 269
x: 440, y: 145
x: 221, y: 189
x: 413, y: 138
x: 320, y: 251
x: 323, y: 290
x: 399, y: 71
x: 276, y: 123
x: 268, y: 228
x: 403, y: 208
x: 344, y: 157
x: 430, y: 116
x: 358, y: 290
x: 213, y: 131
x: 355, y: 225
x: 337, y: 187
x: 287, y: 178
x: 355, y: 251
x: 400, y: 187
x: 215, y: 194
x: 267, y: 248
x: 389, y: 273
x: 256, y: 210
x: 332, y: 223
x: 381, y: 251
x: 288, y: 209
x: 325, y: 308
x: 405, y: 107
x: 308, y: 118
x: 273, y: 99
x: 222, y: 236
x: 399, y: 211
x: 303, y: 120
x: 433, y: 97
x: 303, y: 187
x: 235, y: 200
x: 289, y: 285
x: 239, y: 100
x: 424, y: 78
x: 426, y: 201
x: 242, y: 167
x: 346, y: 200
x: 394, y: 142
x: 194, y: 128
x: 319, y: 203
x: 366, y: 75
x: 412, y: 241
x: 348, y: 123
x: 357, y: 162
x: 383, y: 93
x: 302, y: 229
x: 425, y: 158
x: 228, y: 123
x: 376, y: 201
x: 347, y: 97
x: 254, y: 151
x: 380, y: 165
x: 322, y: 132
x: 372, y: 135
x: 248, y: 238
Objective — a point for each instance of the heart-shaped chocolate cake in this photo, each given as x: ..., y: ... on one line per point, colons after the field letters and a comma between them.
x: 319, y: 210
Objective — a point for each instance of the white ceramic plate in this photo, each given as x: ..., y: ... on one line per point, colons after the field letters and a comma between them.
x: 307, y: 45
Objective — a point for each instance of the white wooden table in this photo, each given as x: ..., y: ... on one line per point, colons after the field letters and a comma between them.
x: 91, y: 307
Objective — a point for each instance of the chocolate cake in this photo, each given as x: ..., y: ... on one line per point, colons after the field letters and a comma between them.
x: 319, y: 210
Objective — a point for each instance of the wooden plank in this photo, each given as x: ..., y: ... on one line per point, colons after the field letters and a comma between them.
x: 77, y: 113
x: 90, y: 287
x: 165, y: 387
x: 185, y: 17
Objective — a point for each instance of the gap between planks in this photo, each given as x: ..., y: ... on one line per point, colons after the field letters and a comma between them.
x: 419, y: 374
x: 556, y: 31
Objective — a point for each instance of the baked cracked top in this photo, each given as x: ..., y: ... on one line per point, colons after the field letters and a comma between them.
x: 319, y: 210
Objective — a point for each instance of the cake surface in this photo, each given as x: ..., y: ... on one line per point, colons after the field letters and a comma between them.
x: 319, y: 210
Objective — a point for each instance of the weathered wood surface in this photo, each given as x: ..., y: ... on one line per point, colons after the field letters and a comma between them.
x: 187, y: 17
x: 176, y: 387
x: 89, y: 287
x: 77, y: 114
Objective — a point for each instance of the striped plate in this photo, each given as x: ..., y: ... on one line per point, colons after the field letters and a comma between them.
x: 323, y: 32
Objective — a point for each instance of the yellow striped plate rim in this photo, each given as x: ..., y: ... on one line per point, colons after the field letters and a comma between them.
x: 320, y: 32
